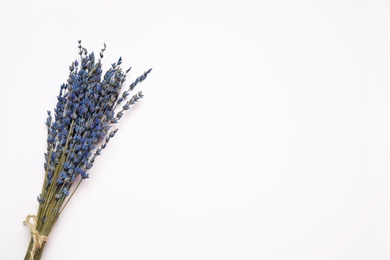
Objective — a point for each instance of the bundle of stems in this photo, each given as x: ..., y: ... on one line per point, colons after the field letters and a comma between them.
x: 89, y: 104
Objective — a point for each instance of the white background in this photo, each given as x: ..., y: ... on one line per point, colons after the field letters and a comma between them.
x: 264, y: 132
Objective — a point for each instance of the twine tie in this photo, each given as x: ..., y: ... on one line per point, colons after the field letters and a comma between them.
x: 37, y: 238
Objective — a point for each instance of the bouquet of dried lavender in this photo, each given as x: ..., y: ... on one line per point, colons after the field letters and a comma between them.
x: 89, y: 104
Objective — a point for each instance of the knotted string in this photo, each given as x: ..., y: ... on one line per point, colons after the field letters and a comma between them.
x: 37, y: 238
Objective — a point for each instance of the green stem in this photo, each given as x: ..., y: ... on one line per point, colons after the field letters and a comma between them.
x: 38, y: 252
x: 71, y: 195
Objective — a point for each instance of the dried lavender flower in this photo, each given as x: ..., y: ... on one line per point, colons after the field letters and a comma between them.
x: 80, y: 130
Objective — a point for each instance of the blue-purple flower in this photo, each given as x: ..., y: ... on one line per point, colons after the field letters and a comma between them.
x: 89, y: 104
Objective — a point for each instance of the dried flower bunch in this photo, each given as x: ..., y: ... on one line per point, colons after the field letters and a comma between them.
x: 89, y: 104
